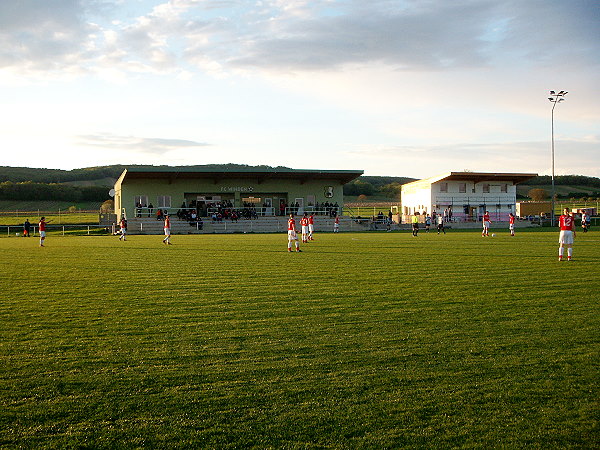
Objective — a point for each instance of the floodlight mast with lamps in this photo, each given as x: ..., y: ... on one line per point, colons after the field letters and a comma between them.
x: 554, y: 99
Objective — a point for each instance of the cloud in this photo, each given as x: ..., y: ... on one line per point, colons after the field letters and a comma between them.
x: 296, y: 35
x: 156, y: 146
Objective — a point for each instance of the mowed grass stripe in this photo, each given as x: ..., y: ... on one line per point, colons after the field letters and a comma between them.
x: 361, y: 340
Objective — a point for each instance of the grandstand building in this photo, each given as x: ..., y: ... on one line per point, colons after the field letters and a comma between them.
x: 140, y: 192
x: 466, y: 195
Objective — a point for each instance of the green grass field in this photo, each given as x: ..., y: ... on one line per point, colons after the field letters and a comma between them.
x: 373, y: 340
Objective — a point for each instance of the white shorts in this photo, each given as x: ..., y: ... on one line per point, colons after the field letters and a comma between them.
x: 304, y: 229
x: 511, y: 226
x: 42, y: 234
x: 486, y: 224
x: 565, y: 237
x: 123, y: 231
x: 167, y: 232
x: 311, y: 228
x: 336, y: 225
x: 292, y: 235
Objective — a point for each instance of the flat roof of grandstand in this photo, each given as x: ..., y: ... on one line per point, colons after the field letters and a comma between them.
x: 173, y: 173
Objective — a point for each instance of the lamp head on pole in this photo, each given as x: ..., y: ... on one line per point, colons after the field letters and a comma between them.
x: 556, y: 98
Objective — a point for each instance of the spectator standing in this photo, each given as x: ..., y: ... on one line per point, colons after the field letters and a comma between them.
x: 26, y: 228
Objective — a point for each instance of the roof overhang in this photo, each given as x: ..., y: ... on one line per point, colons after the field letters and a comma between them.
x: 480, y: 177
x: 300, y: 175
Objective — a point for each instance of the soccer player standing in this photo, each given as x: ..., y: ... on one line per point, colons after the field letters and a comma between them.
x: 42, y: 226
x: 336, y: 225
x: 123, y: 225
x: 511, y: 224
x: 304, y: 225
x: 292, y: 236
x: 167, y: 228
x: 567, y: 234
x: 584, y: 221
x: 486, y: 224
x: 311, y: 227
x: 415, y: 224
x: 440, y: 224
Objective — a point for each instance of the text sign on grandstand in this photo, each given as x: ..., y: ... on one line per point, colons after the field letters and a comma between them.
x: 237, y: 189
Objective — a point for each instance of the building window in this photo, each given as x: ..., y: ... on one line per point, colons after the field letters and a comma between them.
x: 504, y: 188
x: 486, y: 188
x: 462, y: 188
x: 443, y: 187
x: 141, y: 201
x: 163, y: 201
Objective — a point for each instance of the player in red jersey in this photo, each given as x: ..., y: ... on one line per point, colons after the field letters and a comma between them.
x: 567, y: 234
x: 336, y: 225
x: 311, y: 227
x: 42, y: 227
x: 167, y: 228
x: 304, y: 225
x: 123, y: 225
x: 292, y: 236
x: 486, y: 224
x: 511, y: 224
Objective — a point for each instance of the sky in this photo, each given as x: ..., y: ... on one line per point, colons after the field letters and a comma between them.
x: 410, y: 88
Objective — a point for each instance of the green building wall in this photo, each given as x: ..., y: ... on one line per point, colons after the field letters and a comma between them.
x: 234, y: 189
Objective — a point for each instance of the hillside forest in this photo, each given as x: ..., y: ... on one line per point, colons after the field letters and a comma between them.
x: 93, y: 183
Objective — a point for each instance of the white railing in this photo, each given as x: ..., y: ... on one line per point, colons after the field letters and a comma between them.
x: 63, y: 229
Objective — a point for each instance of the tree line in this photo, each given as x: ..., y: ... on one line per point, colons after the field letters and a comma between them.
x: 29, y: 190
x: 24, y: 183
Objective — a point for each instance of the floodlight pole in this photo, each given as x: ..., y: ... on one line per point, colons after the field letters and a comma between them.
x: 554, y: 98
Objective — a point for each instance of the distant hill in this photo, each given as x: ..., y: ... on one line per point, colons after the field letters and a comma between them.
x: 105, y: 174
x: 371, y: 186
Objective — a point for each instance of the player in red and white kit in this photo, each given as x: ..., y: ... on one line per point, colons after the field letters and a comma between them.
x: 511, y: 224
x: 123, y: 225
x: 567, y: 234
x: 486, y: 224
x: 167, y: 228
x: 311, y: 227
x: 292, y: 236
x: 336, y: 225
x: 42, y: 229
x: 304, y: 225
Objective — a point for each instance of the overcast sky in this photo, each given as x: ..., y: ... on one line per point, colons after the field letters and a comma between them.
x: 392, y: 87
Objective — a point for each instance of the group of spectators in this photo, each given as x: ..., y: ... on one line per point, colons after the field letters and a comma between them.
x: 140, y: 208
x: 325, y: 208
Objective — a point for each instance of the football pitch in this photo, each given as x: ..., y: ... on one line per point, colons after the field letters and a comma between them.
x: 368, y: 340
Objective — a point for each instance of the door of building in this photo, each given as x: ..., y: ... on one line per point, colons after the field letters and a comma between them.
x: 268, y: 202
x: 300, y: 202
